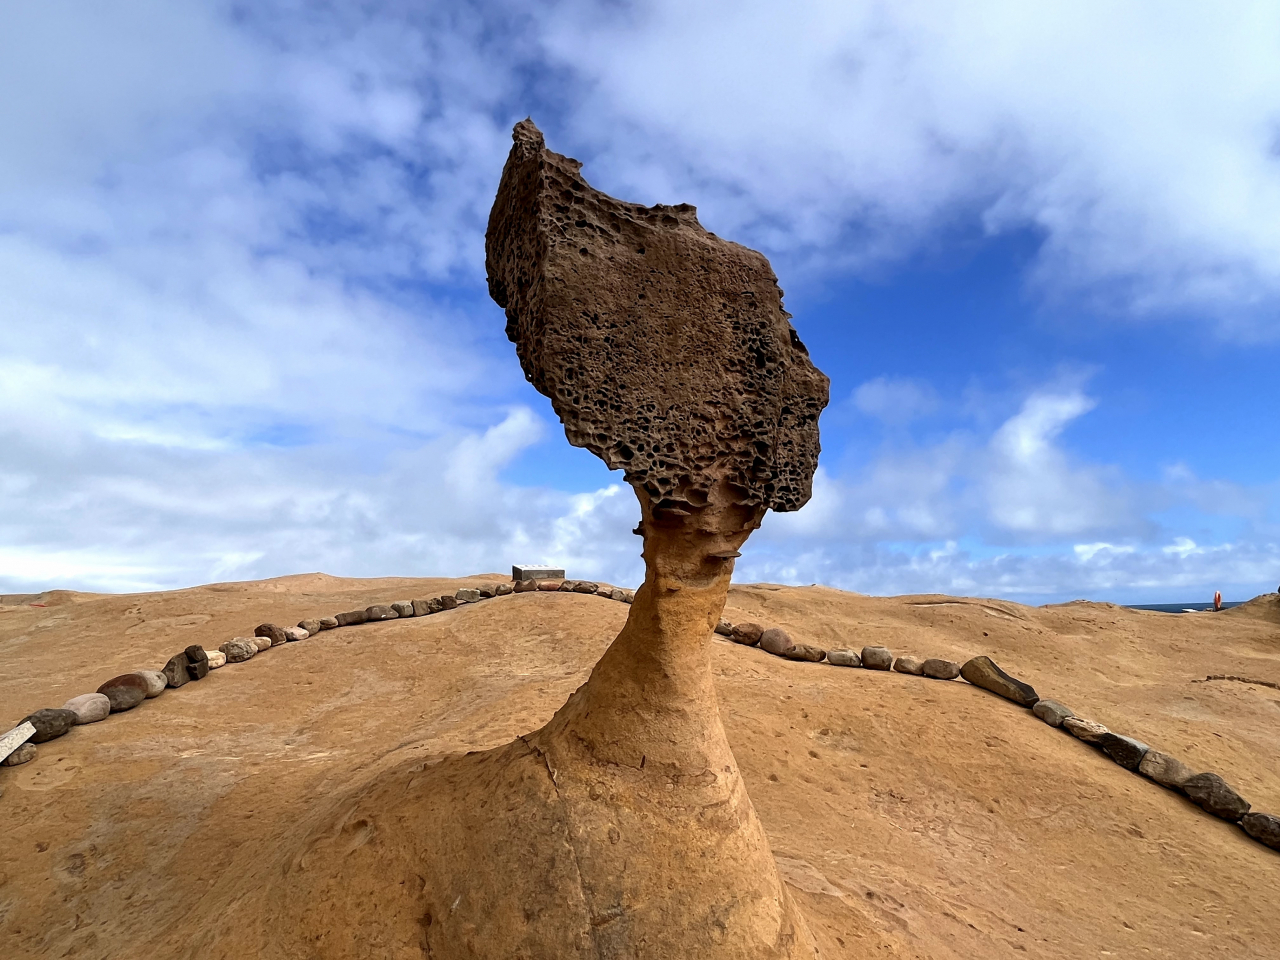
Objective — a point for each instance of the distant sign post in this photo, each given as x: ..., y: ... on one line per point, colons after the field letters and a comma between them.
x: 525, y: 571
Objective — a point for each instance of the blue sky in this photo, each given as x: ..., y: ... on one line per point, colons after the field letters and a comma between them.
x: 244, y: 329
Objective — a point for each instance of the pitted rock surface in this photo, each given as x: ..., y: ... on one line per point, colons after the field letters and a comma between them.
x: 664, y: 349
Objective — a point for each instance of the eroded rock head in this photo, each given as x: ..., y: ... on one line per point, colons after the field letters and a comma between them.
x: 664, y: 349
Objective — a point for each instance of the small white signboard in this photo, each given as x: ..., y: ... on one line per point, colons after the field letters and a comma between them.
x: 15, y: 738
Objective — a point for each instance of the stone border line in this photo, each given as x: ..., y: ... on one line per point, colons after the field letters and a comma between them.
x: 1207, y: 790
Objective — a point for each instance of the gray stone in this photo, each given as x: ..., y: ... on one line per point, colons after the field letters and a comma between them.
x: 566, y: 586
x: 1052, y: 712
x: 724, y: 628
x: 911, y: 665
x: 381, y: 611
x: 239, y: 650
x: 156, y: 682
x: 294, y: 634
x: 876, y: 658
x: 525, y: 586
x: 327, y: 623
x: 844, y: 658
x: 1125, y: 751
x: 1165, y: 770
x: 24, y: 754
x: 448, y: 603
x: 311, y: 626
x: 983, y: 672
x: 404, y: 608
x: 776, y: 641
x: 175, y: 671
x: 273, y: 633
x: 585, y: 586
x: 1212, y: 794
x: 747, y: 634
x: 1086, y: 730
x: 50, y: 723
x: 502, y: 589
x: 935, y: 668
x: 13, y: 739
x: 805, y: 652
x: 89, y: 707
x: 467, y: 595
x: 216, y: 659
x: 628, y: 596
x: 352, y: 617
x: 1263, y: 827
x: 198, y: 661
x: 125, y: 691
x: 528, y: 571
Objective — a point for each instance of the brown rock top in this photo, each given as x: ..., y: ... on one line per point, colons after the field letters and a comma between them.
x: 664, y: 349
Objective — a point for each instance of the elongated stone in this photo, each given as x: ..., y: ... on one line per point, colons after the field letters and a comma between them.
x: 525, y: 586
x: 467, y: 595
x: 1214, y: 795
x: 805, y: 652
x: 293, y: 634
x: 1263, y: 827
x: 983, y: 672
x: 585, y: 586
x: 911, y: 665
x: 352, y: 617
x: 549, y: 586
x: 327, y: 623
x: 1086, y: 730
x: 1125, y: 751
x: 381, y: 611
x: 311, y: 626
x: 723, y: 628
x: 216, y: 659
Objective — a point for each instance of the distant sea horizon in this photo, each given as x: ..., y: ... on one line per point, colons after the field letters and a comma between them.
x: 1181, y: 607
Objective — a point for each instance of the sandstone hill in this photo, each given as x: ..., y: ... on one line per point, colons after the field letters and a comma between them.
x: 910, y: 817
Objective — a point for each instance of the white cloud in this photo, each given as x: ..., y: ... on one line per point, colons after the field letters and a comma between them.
x: 1137, y: 138
x: 895, y: 401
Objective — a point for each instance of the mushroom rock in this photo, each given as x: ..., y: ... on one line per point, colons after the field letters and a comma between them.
x: 622, y: 828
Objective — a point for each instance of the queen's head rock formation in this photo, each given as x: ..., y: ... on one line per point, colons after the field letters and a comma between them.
x: 621, y: 828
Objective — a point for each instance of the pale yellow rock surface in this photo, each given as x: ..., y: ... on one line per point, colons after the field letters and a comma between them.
x: 908, y: 819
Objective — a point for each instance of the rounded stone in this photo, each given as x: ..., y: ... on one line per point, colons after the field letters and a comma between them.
x: 844, y: 658
x: 487, y: 591
x: 448, y: 603
x: 502, y: 589
x: 351, y: 617
x: 585, y: 586
x: 747, y: 634
x: 777, y: 641
x: 1263, y: 827
x: 876, y: 658
x: 935, y: 668
x: 156, y: 682
x: 294, y: 634
x: 271, y: 632
x: 262, y: 643
x: 723, y: 628
x: 89, y: 707
x: 548, y: 586
x: 566, y: 586
x: 1052, y: 712
x: 911, y: 665
x: 1212, y: 794
x: 311, y: 626
x: 125, y: 691
x: 239, y: 649
x: 216, y: 659
x: 24, y: 754
x: 50, y: 723
x: 327, y: 623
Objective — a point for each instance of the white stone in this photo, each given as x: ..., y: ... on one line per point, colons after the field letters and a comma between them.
x: 216, y: 658
x: 296, y: 633
x: 89, y: 707
x: 527, y: 571
x: 156, y: 682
